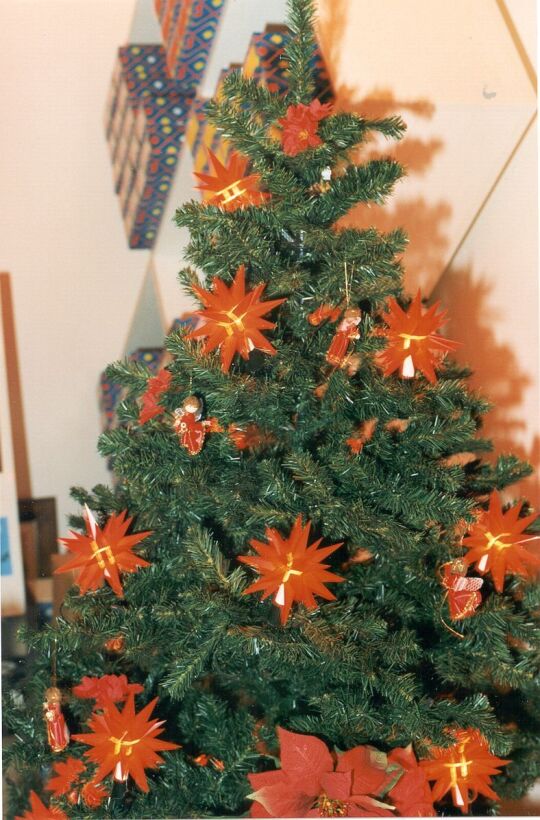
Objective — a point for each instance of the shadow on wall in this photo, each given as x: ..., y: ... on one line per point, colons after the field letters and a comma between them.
x: 423, y: 221
x: 497, y: 374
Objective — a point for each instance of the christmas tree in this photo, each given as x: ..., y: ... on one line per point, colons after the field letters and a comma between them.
x: 301, y: 598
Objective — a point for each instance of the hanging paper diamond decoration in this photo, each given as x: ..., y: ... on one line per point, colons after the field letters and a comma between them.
x: 230, y: 187
x: 102, y: 554
x: 412, y: 343
x: 290, y: 570
x: 232, y: 319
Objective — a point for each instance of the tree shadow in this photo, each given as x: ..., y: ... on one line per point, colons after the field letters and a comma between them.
x: 497, y: 373
x: 426, y: 254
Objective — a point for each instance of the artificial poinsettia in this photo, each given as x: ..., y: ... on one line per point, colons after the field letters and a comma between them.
x: 463, y: 769
x: 495, y: 542
x: 411, y: 795
x: 412, y: 343
x: 230, y: 187
x: 67, y: 773
x: 155, y: 388
x: 300, y: 126
x: 232, y: 318
x: 38, y: 811
x: 291, y: 570
x: 314, y: 783
x: 105, y: 688
x: 125, y: 743
x: 102, y: 554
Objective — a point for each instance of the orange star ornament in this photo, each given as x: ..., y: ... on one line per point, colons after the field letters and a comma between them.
x: 125, y: 743
x: 463, y: 769
x: 102, y: 554
x: 412, y: 342
x: 39, y: 811
x: 230, y: 188
x: 232, y: 319
x: 495, y: 542
x: 290, y: 570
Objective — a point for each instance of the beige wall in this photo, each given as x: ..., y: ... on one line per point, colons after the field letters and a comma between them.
x: 74, y: 280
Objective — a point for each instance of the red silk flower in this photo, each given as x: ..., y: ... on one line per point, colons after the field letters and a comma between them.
x: 309, y: 784
x: 232, y: 319
x: 300, y: 126
x: 155, y: 388
x: 411, y: 796
x: 125, y: 743
x: 412, y: 343
x: 495, y: 542
x: 105, y: 688
x: 230, y: 187
x: 38, y: 811
x: 102, y: 554
x: 291, y: 570
x: 463, y: 769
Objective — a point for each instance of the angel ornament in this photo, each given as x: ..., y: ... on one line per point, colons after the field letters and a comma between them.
x: 191, y: 428
x: 462, y: 592
x: 347, y: 332
x: 57, y: 730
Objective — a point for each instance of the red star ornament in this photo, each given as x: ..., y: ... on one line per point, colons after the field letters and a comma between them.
x: 156, y: 387
x: 232, y: 319
x: 463, y: 769
x: 67, y: 773
x: 38, y: 811
x: 300, y: 126
x: 412, y: 342
x: 495, y: 542
x: 105, y: 688
x: 290, y: 570
x: 230, y: 188
x: 125, y: 743
x: 102, y: 554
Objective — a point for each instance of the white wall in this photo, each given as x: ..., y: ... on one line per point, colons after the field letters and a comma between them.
x: 75, y: 282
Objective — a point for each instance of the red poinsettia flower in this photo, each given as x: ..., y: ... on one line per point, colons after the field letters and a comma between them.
x: 93, y: 794
x: 155, y: 388
x: 107, y: 687
x: 67, y: 773
x: 38, y: 811
x: 463, y: 769
x: 411, y: 795
x: 102, y: 554
x: 310, y: 784
x: 291, y: 570
x: 125, y: 743
x: 300, y: 126
x: 232, y: 319
x: 496, y: 540
x: 230, y: 187
x: 412, y: 341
